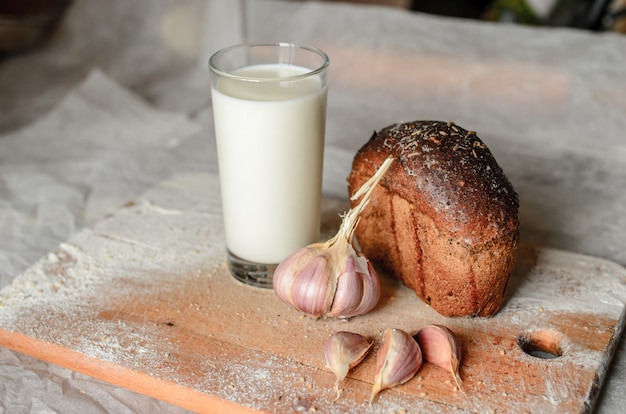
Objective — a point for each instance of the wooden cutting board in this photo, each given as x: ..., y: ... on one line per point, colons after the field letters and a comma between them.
x: 143, y: 300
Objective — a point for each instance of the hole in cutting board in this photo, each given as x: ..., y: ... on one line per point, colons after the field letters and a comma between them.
x: 541, y: 344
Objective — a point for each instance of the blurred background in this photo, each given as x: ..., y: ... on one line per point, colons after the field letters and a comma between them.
x: 27, y: 24
x: 583, y: 14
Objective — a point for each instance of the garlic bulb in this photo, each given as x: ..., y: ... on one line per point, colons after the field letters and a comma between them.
x: 332, y: 278
x: 398, y: 360
x: 440, y: 347
x: 342, y: 352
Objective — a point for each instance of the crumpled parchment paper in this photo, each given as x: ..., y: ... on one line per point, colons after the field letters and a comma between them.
x: 119, y: 100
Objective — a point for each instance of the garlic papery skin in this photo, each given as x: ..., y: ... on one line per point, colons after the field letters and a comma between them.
x: 332, y: 278
x: 440, y: 347
x: 397, y: 361
x: 342, y: 352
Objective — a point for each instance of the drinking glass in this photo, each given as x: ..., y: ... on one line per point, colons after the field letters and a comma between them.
x: 269, y: 109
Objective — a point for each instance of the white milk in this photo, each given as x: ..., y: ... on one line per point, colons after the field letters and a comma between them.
x: 270, y: 143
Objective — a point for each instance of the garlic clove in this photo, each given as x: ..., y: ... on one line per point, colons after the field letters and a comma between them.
x: 343, y: 351
x: 286, y: 271
x: 302, y: 281
x: 358, y: 288
x: 398, y: 360
x: 309, y: 291
x: 441, y: 347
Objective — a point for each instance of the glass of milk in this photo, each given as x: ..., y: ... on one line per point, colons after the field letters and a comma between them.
x: 269, y: 109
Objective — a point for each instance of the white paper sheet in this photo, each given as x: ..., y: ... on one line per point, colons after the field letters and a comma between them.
x: 97, y: 149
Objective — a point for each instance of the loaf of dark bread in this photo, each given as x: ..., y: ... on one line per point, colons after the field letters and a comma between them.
x: 443, y: 219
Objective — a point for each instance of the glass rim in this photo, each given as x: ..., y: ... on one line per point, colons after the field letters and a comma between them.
x: 213, y: 67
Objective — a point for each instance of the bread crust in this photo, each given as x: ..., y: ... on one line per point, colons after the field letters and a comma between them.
x: 444, y: 219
